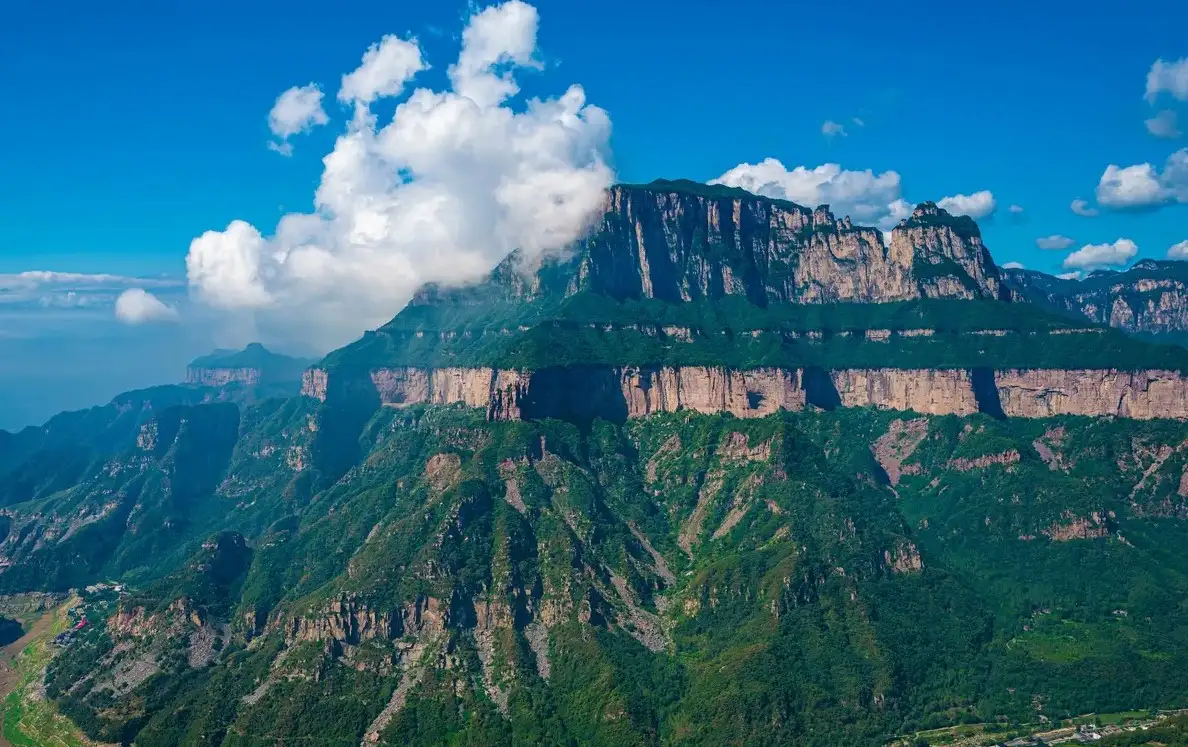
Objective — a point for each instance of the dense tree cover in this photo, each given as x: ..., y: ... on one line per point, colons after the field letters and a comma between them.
x: 593, y: 329
x: 785, y: 619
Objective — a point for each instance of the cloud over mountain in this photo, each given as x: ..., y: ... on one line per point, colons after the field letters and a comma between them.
x: 863, y: 195
x: 1096, y: 256
x: 442, y: 191
x: 977, y: 205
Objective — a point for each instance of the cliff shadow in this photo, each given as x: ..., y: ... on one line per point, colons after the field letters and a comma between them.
x: 985, y: 392
x: 352, y: 398
x: 819, y: 389
x: 578, y: 394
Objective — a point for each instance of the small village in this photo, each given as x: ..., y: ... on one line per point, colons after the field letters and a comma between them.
x: 1086, y: 729
x: 78, y: 617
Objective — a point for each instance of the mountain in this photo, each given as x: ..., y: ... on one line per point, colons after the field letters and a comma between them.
x: 1149, y: 299
x: 713, y: 299
x: 728, y: 471
x: 254, y: 365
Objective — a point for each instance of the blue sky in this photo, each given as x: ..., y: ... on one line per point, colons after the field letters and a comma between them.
x: 134, y: 127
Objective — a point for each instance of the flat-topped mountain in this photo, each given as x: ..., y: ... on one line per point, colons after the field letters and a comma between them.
x: 683, y: 241
x: 255, y: 364
x: 687, y: 295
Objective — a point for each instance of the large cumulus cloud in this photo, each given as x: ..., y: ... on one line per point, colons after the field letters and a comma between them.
x: 442, y: 191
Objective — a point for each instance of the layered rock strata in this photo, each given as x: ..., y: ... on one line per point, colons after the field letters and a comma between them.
x: 216, y: 377
x: 632, y: 392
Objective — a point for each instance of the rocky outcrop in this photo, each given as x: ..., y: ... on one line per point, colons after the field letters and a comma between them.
x: 678, y: 242
x: 949, y: 258
x: 618, y: 393
x: 350, y: 620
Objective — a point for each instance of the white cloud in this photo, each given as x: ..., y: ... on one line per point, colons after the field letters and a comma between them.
x: 1094, y: 256
x: 976, y: 205
x: 863, y: 195
x: 1178, y: 251
x: 1013, y: 266
x: 831, y: 129
x: 1168, y: 77
x: 50, y: 289
x: 444, y: 190
x: 1015, y: 209
x: 297, y: 110
x: 1055, y: 241
x: 1069, y: 276
x: 1081, y: 208
x: 1164, y: 124
x: 1132, y: 186
x: 858, y: 121
x: 501, y: 36
x: 387, y: 66
x: 1144, y: 186
x: 138, y: 306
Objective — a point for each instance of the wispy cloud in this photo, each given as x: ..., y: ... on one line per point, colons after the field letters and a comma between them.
x: 1055, y: 241
x: 831, y: 129
x: 1164, y: 125
x: 73, y: 290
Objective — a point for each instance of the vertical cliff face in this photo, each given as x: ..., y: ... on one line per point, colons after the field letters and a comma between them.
x: 681, y: 241
x: 619, y: 393
x: 675, y: 243
x: 253, y: 365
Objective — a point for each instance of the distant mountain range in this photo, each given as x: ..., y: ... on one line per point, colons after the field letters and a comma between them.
x: 1149, y: 299
x: 729, y: 471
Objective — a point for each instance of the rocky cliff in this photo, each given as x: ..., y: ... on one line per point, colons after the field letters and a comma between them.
x: 680, y: 241
x: 251, y: 366
x: 216, y: 377
x: 634, y: 392
x: 1150, y: 298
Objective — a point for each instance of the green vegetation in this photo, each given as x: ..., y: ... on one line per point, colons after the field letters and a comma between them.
x: 1172, y: 732
x: 591, y: 329
x: 795, y: 612
x: 31, y: 721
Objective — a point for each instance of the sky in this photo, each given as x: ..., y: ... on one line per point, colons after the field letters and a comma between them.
x: 180, y: 175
